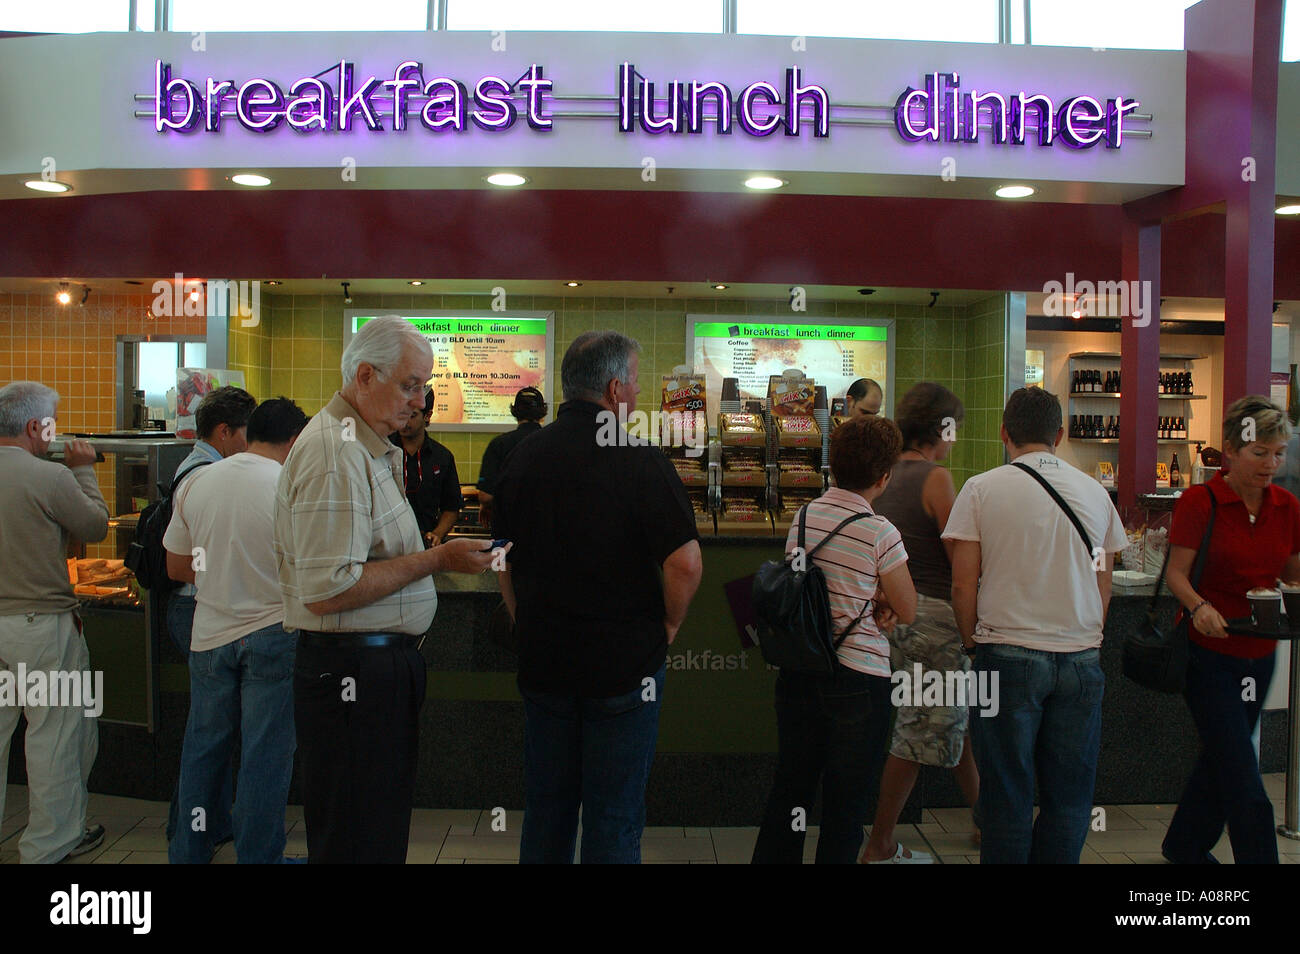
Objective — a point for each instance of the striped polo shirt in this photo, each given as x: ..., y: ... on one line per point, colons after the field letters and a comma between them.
x: 852, y: 562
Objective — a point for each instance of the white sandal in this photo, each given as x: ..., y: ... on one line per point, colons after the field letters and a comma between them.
x: 911, y: 858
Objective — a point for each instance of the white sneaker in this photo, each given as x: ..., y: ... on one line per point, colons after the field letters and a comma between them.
x: 903, y: 856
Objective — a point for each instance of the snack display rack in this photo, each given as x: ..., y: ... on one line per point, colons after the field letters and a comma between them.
x: 683, y: 437
x: 795, y: 445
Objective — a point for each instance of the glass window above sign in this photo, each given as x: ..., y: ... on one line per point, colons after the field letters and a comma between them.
x: 251, y: 16
x: 664, y: 16
x: 957, y: 21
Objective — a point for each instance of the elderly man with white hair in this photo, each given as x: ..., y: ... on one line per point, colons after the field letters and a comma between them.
x: 44, y: 504
x: 355, y: 576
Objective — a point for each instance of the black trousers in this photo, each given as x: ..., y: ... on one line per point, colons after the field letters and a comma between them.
x: 832, y: 731
x: 357, y: 718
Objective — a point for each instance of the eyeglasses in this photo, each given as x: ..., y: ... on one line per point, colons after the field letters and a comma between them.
x: 413, y: 391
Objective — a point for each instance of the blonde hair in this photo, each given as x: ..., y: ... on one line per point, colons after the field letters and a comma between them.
x: 1270, y: 421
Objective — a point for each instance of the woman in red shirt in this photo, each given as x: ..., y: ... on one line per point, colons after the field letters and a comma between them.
x: 1255, y: 541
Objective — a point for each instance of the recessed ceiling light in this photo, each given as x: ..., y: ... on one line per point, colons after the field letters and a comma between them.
x: 272, y: 282
x: 764, y: 182
x: 1013, y: 191
x: 47, y: 185
x: 64, y: 296
x: 417, y: 283
x: 1288, y: 210
x: 720, y: 287
x: 574, y: 284
x: 250, y: 179
x: 506, y: 179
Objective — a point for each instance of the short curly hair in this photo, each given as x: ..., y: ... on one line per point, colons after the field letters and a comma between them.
x: 864, y: 449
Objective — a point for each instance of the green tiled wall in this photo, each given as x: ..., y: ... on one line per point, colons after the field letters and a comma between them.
x: 298, y: 348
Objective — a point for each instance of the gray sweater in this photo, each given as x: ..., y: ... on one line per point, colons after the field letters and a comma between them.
x: 41, y: 504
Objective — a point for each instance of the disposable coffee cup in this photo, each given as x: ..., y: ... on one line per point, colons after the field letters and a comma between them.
x: 1266, y: 609
x: 1291, y: 600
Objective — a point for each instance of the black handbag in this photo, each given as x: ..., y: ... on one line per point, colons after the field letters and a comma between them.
x: 794, y: 612
x: 1155, y: 657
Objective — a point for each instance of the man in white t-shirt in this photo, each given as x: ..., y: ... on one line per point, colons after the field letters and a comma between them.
x: 241, y: 659
x: 1030, y: 596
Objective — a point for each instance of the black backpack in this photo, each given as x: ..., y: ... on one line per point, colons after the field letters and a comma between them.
x: 145, y: 556
x: 794, y: 611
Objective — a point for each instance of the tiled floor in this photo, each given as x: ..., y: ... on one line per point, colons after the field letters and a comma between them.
x: 1131, y: 835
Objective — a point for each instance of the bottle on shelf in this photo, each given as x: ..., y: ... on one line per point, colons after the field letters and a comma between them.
x: 1175, y: 476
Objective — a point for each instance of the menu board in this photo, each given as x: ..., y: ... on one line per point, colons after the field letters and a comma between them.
x: 480, y: 360
x: 833, y: 352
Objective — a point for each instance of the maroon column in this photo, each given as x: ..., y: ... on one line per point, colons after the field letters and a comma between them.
x: 1139, y: 364
x: 1233, y: 48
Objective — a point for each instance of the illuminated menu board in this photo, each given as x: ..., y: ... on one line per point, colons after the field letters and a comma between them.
x: 480, y: 360
x: 834, y: 352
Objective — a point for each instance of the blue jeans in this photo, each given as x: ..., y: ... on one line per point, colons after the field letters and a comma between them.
x: 1225, y: 786
x: 1048, y: 728
x: 180, y: 625
x: 832, y: 730
x: 590, y: 752
x: 244, y: 687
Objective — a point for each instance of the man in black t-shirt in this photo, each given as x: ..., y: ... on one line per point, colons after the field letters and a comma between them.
x: 594, y: 517
x: 529, y: 409
x: 432, y: 485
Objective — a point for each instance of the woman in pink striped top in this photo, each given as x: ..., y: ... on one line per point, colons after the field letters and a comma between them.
x: 833, y: 730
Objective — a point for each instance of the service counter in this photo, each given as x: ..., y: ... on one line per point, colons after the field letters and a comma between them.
x: 717, y: 738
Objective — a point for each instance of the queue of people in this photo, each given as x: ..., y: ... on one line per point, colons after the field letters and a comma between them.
x: 311, y: 547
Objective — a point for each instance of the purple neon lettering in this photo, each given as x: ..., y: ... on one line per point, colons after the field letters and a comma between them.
x: 794, y: 97
x: 321, y: 105
x: 215, y: 99
x: 535, y: 83
x: 1080, y: 131
x: 1115, y: 110
x: 748, y: 119
x: 626, y: 72
x: 722, y: 107
x: 270, y: 105
x: 997, y: 112
x: 1020, y: 104
x: 500, y: 104
x: 353, y: 99
x: 401, y: 86
x: 164, y: 86
x: 456, y: 93
x: 671, y: 123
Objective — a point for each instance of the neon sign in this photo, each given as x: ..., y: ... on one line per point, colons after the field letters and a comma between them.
x: 940, y: 111
x: 947, y: 113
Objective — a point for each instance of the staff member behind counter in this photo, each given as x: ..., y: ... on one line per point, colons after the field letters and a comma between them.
x: 432, y: 485
x: 529, y: 410
x: 863, y: 398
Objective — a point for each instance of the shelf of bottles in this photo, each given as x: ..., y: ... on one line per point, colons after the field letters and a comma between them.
x: 1095, y: 376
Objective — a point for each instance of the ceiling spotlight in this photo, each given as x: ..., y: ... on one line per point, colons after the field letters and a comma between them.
x: 250, y: 179
x: 1292, y: 209
x: 1013, y: 191
x: 574, y: 284
x: 347, y: 295
x: 47, y: 185
x: 1075, y: 312
x: 506, y: 179
x: 764, y: 182
x: 720, y: 287
x: 416, y: 283
x: 63, y: 297
x: 272, y: 282
x: 866, y: 291
x: 84, y: 295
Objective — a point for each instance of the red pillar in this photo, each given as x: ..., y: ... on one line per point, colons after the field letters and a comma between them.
x: 1139, y: 364
x: 1233, y: 48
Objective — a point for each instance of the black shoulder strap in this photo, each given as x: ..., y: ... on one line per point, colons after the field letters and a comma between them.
x: 1060, y: 502
x: 803, y: 516
x: 176, y: 481
x: 1202, y: 552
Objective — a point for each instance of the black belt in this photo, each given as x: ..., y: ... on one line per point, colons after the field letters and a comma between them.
x: 318, y: 640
